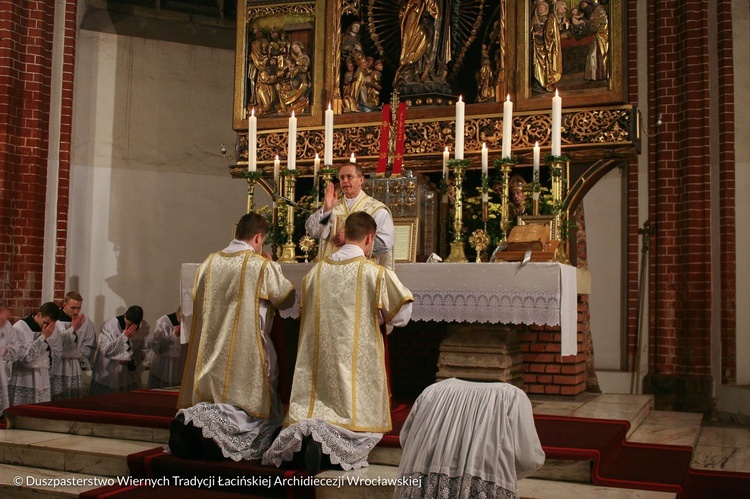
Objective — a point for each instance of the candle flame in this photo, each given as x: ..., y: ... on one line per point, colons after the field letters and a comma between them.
x: 446, y: 148
x: 292, y: 114
x: 508, y: 98
x: 460, y: 98
x: 536, y: 144
x: 277, y: 157
x: 316, y: 156
x: 556, y: 94
x: 329, y: 106
x: 252, y: 112
x: 484, y: 145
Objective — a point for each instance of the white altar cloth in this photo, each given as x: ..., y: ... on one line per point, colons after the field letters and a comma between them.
x: 541, y: 293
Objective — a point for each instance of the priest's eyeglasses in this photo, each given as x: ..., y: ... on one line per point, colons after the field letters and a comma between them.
x: 348, y: 177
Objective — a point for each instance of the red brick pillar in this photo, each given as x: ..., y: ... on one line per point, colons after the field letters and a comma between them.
x: 680, y: 210
x: 26, y: 42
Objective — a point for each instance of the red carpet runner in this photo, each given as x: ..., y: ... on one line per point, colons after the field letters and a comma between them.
x: 616, y: 463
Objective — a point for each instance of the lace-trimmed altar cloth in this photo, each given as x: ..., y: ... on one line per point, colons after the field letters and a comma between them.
x: 464, y: 439
x: 541, y: 293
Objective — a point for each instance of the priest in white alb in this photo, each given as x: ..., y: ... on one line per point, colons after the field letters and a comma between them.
x: 340, y: 403
x: 327, y: 223
x: 7, y: 356
x: 77, y: 338
x: 230, y: 406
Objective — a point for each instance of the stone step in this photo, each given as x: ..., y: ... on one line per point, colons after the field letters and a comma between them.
x: 123, y: 432
x: 669, y: 428
x: 371, y: 484
x: 72, y: 453
x: 36, y: 482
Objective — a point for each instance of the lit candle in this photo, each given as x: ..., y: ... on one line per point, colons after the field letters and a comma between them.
x: 536, y: 170
x: 316, y: 165
x: 460, y: 117
x: 485, y: 194
x: 352, y: 159
x: 291, y: 155
x: 556, y: 123
x: 328, y: 139
x: 507, y: 126
x: 276, y: 166
x: 252, y: 127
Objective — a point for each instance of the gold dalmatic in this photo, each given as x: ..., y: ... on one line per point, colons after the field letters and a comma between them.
x: 339, y: 213
x: 340, y: 374
x: 226, y: 360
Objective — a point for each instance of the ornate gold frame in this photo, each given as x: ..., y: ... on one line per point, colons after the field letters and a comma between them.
x: 406, y: 228
x: 269, y: 9
x: 614, y: 93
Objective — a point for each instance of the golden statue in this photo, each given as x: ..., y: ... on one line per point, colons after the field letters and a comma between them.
x: 591, y: 18
x: 545, y: 35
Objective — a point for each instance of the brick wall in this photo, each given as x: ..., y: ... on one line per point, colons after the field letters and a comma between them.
x: 26, y: 37
x: 727, y: 200
x: 680, y: 191
x: 545, y: 371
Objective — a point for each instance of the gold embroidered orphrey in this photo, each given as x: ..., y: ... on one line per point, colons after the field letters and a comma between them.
x: 226, y: 360
x: 339, y: 213
x: 340, y: 375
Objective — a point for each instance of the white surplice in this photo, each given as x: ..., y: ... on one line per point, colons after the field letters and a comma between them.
x: 119, y: 359
x: 7, y: 357
x: 466, y: 439
x: 168, y: 360
x: 65, y: 373
x: 29, y: 382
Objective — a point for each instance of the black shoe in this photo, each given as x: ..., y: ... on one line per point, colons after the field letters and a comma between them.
x: 313, y: 456
x: 178, y: 446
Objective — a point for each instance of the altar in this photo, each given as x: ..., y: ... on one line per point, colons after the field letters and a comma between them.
x: 506, y: 321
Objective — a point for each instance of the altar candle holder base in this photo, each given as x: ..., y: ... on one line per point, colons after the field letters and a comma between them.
x: 505, y: 223
x: 457, y: 253
x: 288, y: 253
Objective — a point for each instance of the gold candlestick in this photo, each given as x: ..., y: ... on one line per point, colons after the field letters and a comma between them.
x: 505, y: 168
x: 559, y: 216
x: 457, y: 246
x: 252, y: 178
x: 287, y: 250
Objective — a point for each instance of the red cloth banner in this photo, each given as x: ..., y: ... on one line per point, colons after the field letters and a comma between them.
x: 385, y: 133
x: 398, y: 159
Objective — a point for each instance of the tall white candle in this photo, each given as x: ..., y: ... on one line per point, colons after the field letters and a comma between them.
x: 507, y: 127
x: 536, y: 169
x: 252, y: 131
x: 556, y: 123
x: 353, y: 159
x: 316, y: 165
x: 485, y: 194
x: 276, y: 166
x: 328, y: 138
x: 291, y: 155
x: 460, y: 126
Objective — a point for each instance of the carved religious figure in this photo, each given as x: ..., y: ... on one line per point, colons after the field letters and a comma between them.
x: 546, y: 49
x: 294, y: 85
x: 591, y: 18
x: 267, y: 96
x: 485, y: 79
x: 425, y: 46
x: 257, y: 60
